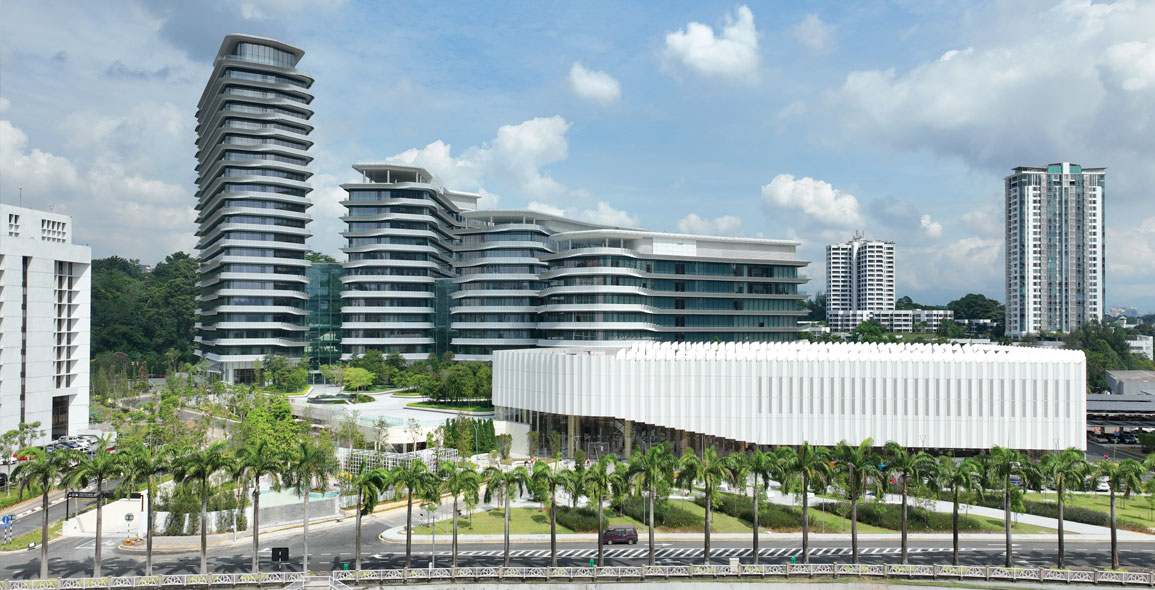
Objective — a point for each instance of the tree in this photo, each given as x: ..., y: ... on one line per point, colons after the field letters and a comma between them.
x: 374, y: 362
x: 41, y: 470
x: 369, y: 485
x: 905, y: 465
x: 553, y: 441
x: 708, y: 469
x: 973, y: 306
x: 319, y: 257
x: 508, y: 484
x: 197, y: 466
x: 858, y: 468
x: 807, y: 465
x: 356, y: 378
x: 650, y: 470
x: 413, y: 477
x: 97, y: 468
x: 870, y: 331
x: 1064, y: 472
x: 956, y: 476
x: 142, y: 463
x: 531, y: 439
x: 1000, y: 464
x: 309, y: 467
x: 255, y: 461
x: 597, y: 482
x: 459, y: 482
x: 548, y: 480
x: 573, y: 485
x: 816, y: 308
x: 950, y: 329
x: 504, y: 444
x: 1123, y: 477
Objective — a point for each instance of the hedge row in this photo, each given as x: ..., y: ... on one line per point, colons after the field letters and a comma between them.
x: 1046, y: 509
x: 889, y: 516
x: 579, y: 520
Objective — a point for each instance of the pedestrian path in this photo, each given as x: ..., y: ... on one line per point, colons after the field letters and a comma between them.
x: 688, y: 552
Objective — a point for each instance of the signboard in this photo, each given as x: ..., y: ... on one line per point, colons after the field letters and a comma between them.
x: 280, y: 554
x: 128, y: 517
x: 82, y: 495
x: 6, y: 521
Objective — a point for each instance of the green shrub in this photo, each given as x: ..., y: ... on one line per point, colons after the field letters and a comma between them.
x: 580, y: 520
x: 889, y: 516
x: 666, y: 514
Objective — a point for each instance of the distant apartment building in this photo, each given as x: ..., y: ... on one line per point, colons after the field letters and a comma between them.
x: 252, y: 206
x: 1143, y: 346
x: 861, y: 287
x: 1055, y: 260
x: 45, y: 316
x: 428, y: 273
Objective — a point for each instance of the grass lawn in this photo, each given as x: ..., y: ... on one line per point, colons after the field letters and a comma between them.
x: 22, y: 541
x: 995, y: 525
x: 1135, y: 509
x: 461, y: 407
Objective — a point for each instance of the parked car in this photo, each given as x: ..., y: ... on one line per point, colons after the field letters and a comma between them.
x: 3, y: 479
x: 1102, y: 485
x: 91, y: 438
x: 625, y: 533
x: 1128, y: 438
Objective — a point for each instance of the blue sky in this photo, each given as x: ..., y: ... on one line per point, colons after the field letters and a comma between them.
x: 802, y: 120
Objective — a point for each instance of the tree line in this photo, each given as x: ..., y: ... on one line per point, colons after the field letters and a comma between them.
x: 648, y: 474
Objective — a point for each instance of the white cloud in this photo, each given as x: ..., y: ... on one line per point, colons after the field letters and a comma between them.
x: 605, y: 214
x: 816, y: 199
x: 512, y: 161
x: 930, y: 227
x: 733, y: 54
x: 121, y: 211
x: 5, y: 104
x: 814, y: 34
x: 726, y: 225
x: 985, y: 221
x: 971, y: 264
x: 594, y: 85
x: 1133, y: 62
x: 602, y: 213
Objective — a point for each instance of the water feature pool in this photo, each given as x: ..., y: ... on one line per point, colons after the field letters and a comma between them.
x: 271, y: 498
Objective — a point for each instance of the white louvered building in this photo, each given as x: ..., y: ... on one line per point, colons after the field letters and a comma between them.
x: 938, y: 397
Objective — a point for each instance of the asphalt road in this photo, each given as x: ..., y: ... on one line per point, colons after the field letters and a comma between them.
x: 332, y: 547
x: 34, y: 520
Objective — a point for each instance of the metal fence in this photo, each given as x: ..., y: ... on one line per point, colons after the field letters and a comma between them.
x: 339, y: 579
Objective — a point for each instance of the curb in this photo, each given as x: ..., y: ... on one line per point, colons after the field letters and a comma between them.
x: 196, y: 546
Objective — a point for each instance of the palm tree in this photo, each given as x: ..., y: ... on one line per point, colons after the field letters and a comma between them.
x: 96, y: 468
x: 859, y: 467
x: 956, y: 475
x: 1064, y: 472
x: 808, y: 464
x: 597, y: 481
x: 548, y: 480
x: 1000, y: 464
x: 571, y: 482
x: 1122, y: 477
x: 650, y: 470
x: 142, y: 464
x: 508, y: 484
x: 257, y: 461
x: 44, y: 470
x: 458, y: 482
x: 768, y: 466
x: 415, y: 478
x: 710, y: 470
x: 906, y: 465
x: 369, y: 485
x: 197, y: 466
x: 309, y: 468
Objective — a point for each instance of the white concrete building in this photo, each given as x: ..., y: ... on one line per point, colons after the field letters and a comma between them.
x: 1143, y: 346
x: 940, y: 397
x: 45, y: 314
x: 1056, y: 260
x: 860, y: 275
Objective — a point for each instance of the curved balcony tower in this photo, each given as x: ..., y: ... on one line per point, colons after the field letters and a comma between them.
x: 400, y: 225
x: 252, y: 205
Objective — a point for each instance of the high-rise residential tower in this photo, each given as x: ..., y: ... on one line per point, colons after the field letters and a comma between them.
x: 860, y: 281
x: 45, y: 316
x: 428, y: 273
x: 1055, y: 261
x: 252, y: 203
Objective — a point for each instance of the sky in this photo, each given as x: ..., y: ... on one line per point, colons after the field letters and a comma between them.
x: 802, y: 120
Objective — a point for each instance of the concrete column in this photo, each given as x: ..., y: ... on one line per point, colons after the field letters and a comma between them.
x: 628, y: 428
x: 685, y: 441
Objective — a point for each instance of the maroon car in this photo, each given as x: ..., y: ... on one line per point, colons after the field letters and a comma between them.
x: 622, y: 533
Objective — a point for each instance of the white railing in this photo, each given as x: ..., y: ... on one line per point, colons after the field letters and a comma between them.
x: 339, y: 580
